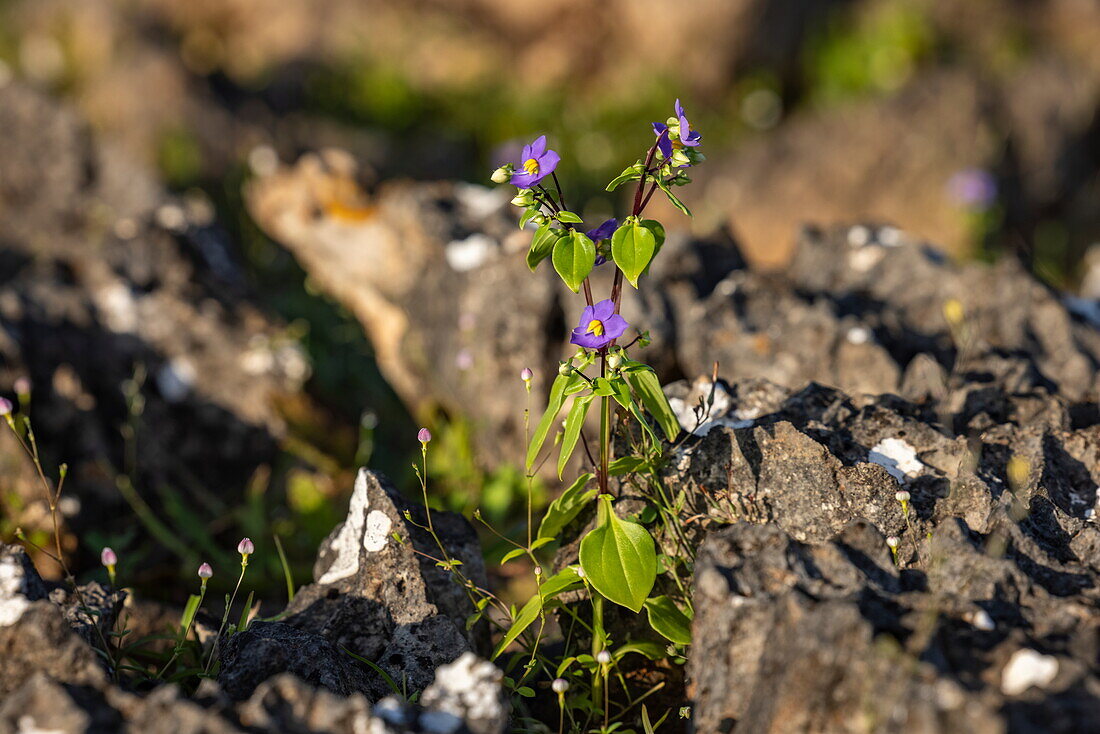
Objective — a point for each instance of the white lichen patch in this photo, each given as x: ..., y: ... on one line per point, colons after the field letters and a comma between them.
x: 468, y: 688
x: 1027, y: 668
x: 12, y: 601
x: 858, y: 335
x: 470, y: 253
x: 27, y: 725
x: 897, y: 457
x: 378, y: 531
x: 347, y: 542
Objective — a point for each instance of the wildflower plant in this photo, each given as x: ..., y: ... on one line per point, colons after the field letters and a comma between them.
x: 619, y: 560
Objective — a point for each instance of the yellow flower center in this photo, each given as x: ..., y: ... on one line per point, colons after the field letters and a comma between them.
x: 531, y: 166
x: 595, y: 326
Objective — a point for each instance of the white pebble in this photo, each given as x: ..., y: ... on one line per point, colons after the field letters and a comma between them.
x: 1028, y: 668
x: 897, y: 457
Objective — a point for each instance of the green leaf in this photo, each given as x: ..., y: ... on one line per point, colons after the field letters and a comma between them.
x: 630, y: 173
x: 648, y: 648
x: 658, y: 231
x: 570, y: 217
x: 668, y: 621
x: 189, y: 611
x: 563, y: 580
x: 619, y: 558
x: 542, y: 244
x: 566, y: 507
x: 243, y: 625
x: 574, y: 421
x: 574, y: 257
x: 530, y: 213
x: 514, y: 553
x: 625, y: 465
x: 671, y: 196
x: 648, y: 388
x: 632, y: 247
x: 523, y: 620
x: 553, y: 407
x: 624, y: 398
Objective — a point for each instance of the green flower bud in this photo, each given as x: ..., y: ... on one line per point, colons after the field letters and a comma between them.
x: 524, y: 198
x: 565, y: 368
x: 502, y: 174
x: 614, y: 360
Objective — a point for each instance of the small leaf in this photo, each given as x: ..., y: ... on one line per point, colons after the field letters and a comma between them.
x: 189, y: 611
x: 542, y: 244
x: 625, y: 465
x: 672, y: 197
x: 603, y: 387
x: 632, y: 247
x: 530, y: 213
x: 243, y: 625
x: 658, y: 231
x: 553, y: 407
x: 624, y: 398
x: 574, y: 257
x: 619, y: 558
x: 573, y: 424
x: 523, y: 620
x: 570, y: 217
x: 563, y: 580
x: 566, y: 507
x: 667, y: 620
x: 630, y: 173
x: 514, y: 553
x: 648, y: 388
x: 648, y: 648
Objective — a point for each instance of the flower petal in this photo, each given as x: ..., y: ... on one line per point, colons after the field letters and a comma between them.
x: 524, y: 180
x: 548, y: 161
x: 538, y: 147
x: 603, y: 310
x: 679, y: 109
x: 614, y: 327
x: 658, y: 128
x: 587, y: 315
x: 525, y: 155
x: 664, y: 144
x: 586, y: 340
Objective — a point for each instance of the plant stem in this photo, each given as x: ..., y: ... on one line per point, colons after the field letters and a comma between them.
x: 225, y: 618
x: 605, y: 430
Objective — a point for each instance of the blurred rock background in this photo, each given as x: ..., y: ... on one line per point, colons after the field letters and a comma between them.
x: 969, y: 123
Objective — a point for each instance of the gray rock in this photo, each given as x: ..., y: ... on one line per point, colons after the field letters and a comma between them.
x: 266, y: 649
x: 379, y: 593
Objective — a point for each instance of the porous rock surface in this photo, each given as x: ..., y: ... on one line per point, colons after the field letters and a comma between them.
x: 375, y: 596
x: 105, y: 277
x: 985, y: 620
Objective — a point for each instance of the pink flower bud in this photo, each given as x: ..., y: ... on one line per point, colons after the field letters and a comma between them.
x: 205, y: 571
x: 22, y: 386
x: 424, y: 436
x: 245, y: 547
x: 526, y: 374
x: 5, y: 407
x: 108, y: 558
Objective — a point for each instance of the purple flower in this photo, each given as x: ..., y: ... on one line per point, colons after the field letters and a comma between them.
x: 245, y: 547
x: 973, y: 187
x: 604, y: 231
x: 664, y: 142
x: 535, y: 164
x: 688, y: 136
x: 424, y: 436
x: 599, y: 326
x: 5, y: 407
x: 526, y: 374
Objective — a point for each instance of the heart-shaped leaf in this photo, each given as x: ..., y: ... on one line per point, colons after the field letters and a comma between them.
x: 632, y: 247
x: 619, y: 558
x: 574, y: 257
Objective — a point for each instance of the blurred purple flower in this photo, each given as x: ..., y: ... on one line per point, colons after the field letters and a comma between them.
x: 535, y: 164
x: 5, y: 407
x: 604, y: 231
x: 973, y: 187
x: 688, y: 136
x: 464, y: 360
x: 108, y: 558
x: 599, y: 326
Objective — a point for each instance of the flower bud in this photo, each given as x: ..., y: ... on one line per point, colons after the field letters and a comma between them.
x: 580, y: 353
x: 901, y: 496
x: 245, y: 547
x: 424, y: 436
x: 5, y: 407
x: 502, y: 174
x: 108, y: 558
x: 893, y: 541
x: 954, y: 312
x: 524, y: 198
x: 526, y: 374
x: 565, y: 368
x: 560, y: 685
x: 538, y: 570
x: 614, y: 360
x: 205, y: 571
x: 603, y: 657
x: 22, y: 386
